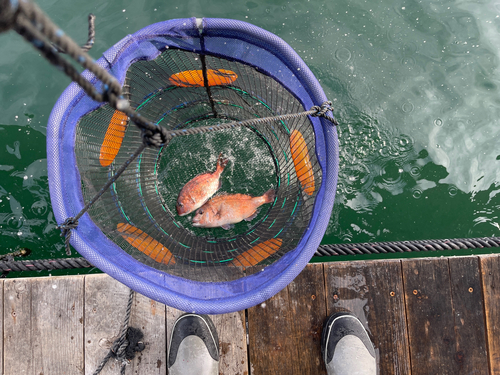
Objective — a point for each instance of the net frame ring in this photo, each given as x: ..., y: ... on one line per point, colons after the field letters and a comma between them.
x: 269, y: 54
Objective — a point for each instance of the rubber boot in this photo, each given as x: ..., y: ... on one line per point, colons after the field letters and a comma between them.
x: 194, y: 346
x: 346, y: 346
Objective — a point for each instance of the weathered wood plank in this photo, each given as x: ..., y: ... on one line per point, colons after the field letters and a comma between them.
x: 285, y: 331
x: 490, y: 272
x: 43, y: 326
x: 18, y: 352
x: 470, y: 331
x: 232, y: 340
x: 149, y: 316
x: 105, y: 307
x: 373, y: 292
x: 439, y: 344
x: 430, y: 316
x: 1, y: 326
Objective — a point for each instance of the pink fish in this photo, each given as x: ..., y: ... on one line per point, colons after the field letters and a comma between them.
x: 199, y: 190
x: 225, y: 210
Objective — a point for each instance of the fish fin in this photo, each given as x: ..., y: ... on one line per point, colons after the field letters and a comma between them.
x: 253, y: 216
x: 221, y: 163
x: 269, y: 196
x: 227, y: 226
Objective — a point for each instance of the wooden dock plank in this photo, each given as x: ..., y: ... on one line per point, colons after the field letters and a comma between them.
x: 470, y: 331
x: 285, y: 331
x: 490, y: 272
x: 430, y: 316
x: 43, y: 326
x: 105, y: 307
x: 60, y: 325
x: 232, y: 340
x: 1, y: 325
x: 19, y: 355
x: 150, y: 317
x: 435, y: 296
x: 373, y: 291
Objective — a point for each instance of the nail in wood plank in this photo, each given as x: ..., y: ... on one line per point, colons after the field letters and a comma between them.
x: 105, y: 308
x: 431, y: 323
x: 373, y: 292
x: 43, y: 325
x: 470, y: 331
x: 232, y: 340
x: 285, y: 331
x: 490, y: 272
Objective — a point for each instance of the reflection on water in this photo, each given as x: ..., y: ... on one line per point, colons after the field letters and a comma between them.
x: 26, y: 218
x: 418, y: 156
x: 415, y: 85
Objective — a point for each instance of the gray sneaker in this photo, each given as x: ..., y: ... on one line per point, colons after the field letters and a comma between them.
x: 194, y: 346
x: 346, y: 346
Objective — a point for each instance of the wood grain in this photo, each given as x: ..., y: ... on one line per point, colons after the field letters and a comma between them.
x: 373, y: 291
x: 445, y: 319
x: 150, y: 317
x: 490, y: 272
x: 232, y: 340
x: 43, y: 326
x: 468, y: 310
x: 285, y: 331
x: 105, y: 307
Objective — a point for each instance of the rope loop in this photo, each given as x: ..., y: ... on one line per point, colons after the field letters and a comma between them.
x: 69, y: 223
x: 154, y: 139
x: 321, y: 111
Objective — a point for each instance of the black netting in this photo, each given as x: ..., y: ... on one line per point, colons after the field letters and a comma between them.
x: 138, y: 212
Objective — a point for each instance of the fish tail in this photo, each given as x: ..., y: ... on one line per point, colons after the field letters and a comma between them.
x: 221, y: 163
x: 269, y: 196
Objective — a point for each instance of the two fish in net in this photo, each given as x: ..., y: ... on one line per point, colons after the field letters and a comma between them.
x: 224, y: 88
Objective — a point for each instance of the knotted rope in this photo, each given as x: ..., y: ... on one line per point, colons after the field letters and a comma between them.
x: 127, y: 344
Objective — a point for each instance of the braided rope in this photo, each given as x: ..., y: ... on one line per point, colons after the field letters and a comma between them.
x: 43, y: 264
x: 407, y: 246
x: 314, y: 111
x: 322, y: 251
x: 118, y: 349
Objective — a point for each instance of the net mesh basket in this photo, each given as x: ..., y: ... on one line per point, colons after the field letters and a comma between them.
x: 185, y: 74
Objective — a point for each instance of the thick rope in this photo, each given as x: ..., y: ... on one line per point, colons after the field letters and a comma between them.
x: 322, y: 251
x: 43, y: 264
x: 120, y: 349
x: 407, y: 246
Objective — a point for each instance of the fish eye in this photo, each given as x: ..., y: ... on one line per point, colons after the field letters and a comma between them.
x: 180, y: 204
x: 200, y: 212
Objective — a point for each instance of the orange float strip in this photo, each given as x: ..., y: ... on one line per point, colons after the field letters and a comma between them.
x: 113, y: 138
x: 194, y: 78
x: 257, y: 253
x: 145, y: 244
x: 303, y: 167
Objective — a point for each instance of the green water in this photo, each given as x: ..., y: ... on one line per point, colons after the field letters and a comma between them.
x: 415, y: 87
